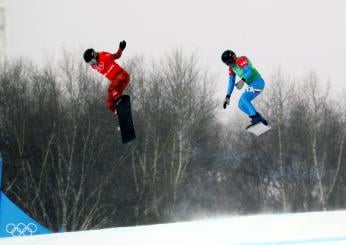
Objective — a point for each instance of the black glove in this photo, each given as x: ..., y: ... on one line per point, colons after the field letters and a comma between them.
x: 226, y: 101
x: 122, y: 45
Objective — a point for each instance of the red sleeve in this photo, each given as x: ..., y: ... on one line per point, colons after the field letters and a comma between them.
x: 118, y: 54
x: 242, y: 62
x: 104, y: 55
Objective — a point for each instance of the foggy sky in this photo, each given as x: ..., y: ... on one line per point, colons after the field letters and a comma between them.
x: 297, y: 35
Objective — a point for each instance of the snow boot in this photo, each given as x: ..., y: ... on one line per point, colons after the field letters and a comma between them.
x: 257, y: 118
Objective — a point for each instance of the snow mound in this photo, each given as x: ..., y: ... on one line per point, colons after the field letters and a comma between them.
x: 300, y: 228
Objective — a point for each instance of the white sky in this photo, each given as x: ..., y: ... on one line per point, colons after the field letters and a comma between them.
x: 298, y: 35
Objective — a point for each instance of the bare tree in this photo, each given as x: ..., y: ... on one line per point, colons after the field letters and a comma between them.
x: 66, y: 166
x: 57, y: 142
x: 173, y: 97
x: 276, y: 101
x: 323, y: 131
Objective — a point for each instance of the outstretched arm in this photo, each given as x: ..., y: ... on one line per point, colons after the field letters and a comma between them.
x: 231, y: 82
x: 122, y: 46
x: 118, y: 54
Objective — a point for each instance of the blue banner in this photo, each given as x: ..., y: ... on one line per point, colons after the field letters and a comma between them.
x: 0, y: 172
x: 13, y: 221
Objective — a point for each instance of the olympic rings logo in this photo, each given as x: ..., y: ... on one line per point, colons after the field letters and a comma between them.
x: 21, y: 229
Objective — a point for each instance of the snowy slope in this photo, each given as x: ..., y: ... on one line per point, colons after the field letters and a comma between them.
x: 302, y: 228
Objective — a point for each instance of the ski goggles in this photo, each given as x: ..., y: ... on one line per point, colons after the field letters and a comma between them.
x: 93, y: 61
x: 229, y: 62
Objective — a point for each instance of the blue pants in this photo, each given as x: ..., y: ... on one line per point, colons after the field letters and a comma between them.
x: 251, y: 92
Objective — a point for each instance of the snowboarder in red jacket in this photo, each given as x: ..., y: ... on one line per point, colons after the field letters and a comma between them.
x: 104, y: 63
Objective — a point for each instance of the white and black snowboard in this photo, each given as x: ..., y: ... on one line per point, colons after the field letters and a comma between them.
x: 258, y: 129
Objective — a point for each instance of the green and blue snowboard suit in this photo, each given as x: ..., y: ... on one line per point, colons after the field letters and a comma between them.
x: 244, y: 69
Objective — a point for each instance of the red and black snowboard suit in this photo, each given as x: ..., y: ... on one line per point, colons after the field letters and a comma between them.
x: 118, y: 77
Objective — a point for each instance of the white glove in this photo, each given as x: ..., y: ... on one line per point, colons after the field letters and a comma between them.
x: 240, y: 84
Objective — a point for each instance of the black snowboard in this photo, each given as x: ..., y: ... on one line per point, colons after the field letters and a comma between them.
x: 123, y: 106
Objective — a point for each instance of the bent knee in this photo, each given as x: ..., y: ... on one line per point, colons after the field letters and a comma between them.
x: 242, y: 101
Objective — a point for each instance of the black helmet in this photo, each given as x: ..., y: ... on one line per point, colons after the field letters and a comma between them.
x: 89, y: 54
x: 228, y: 57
